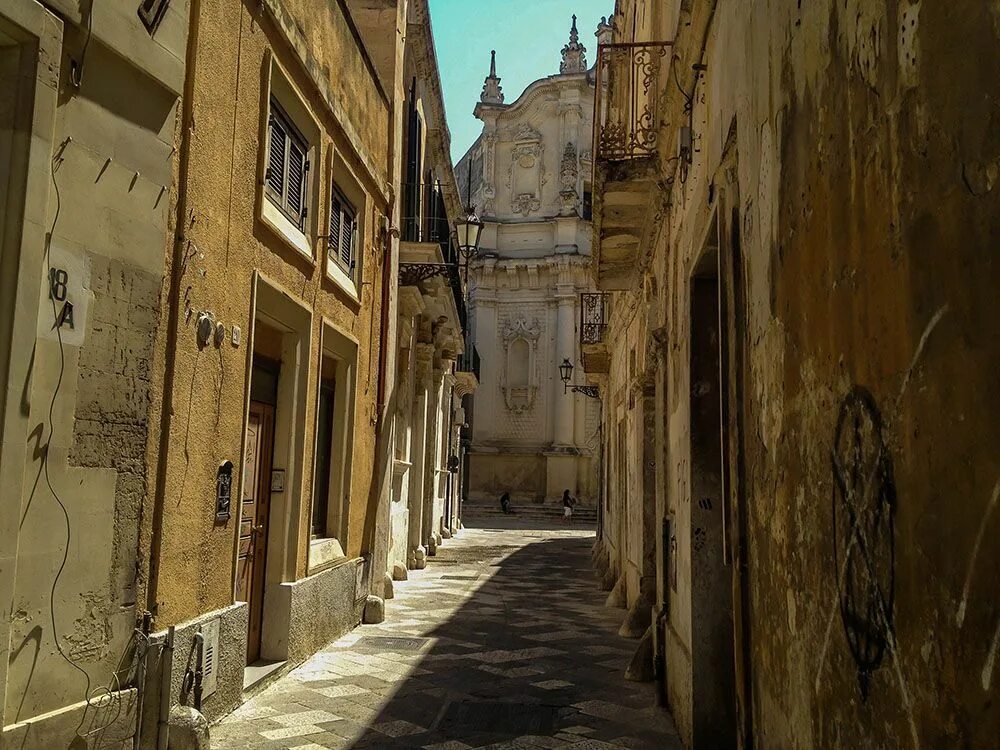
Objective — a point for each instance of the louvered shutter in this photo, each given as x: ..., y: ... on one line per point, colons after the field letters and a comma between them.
x: 276, y: 156
x: 333, y: 240
x: 347, y: 241
x: 296, y: 178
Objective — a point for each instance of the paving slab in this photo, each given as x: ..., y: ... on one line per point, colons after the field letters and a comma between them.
x: 503, y: 641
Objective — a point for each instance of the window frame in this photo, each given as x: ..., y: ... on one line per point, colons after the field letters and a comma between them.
x: 346, y: 208
x: 337, y: 348
x: 294, y: 136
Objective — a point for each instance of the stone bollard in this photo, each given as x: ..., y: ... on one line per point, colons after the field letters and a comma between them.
x: 616, y: 599
x: 640, y: 669
x: 388, y: 591
x: 374, y: 610
x: 188, y: 729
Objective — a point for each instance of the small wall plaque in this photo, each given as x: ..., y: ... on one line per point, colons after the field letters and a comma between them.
x: 278, y: 480
x: 224, y: 491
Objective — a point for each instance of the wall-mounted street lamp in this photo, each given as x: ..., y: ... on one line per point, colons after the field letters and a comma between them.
x: 468, y: 232
x: 566, y: 374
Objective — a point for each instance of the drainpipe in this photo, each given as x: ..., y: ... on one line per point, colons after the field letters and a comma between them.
x: 140, y: 680
x: 173, y: 307
x: 166, y: 676
x: 199, y: 667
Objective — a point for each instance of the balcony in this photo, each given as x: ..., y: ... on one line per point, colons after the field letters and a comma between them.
x: 469, y: 361
x: 467, y: 371
x: 595, y: 311
x: 427, y: 245
x: 627, y: 131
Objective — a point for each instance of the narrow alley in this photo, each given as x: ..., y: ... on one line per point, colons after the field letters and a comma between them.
x: 503, y: 641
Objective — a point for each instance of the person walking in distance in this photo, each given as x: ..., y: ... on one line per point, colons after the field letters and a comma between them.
x: 505, y: 504
x: 568, y: 502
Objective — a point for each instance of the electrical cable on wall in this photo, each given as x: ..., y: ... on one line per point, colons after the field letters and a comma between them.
x: 76, y: 69
x: 113, y: 688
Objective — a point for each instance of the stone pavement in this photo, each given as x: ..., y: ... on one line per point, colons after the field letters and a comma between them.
x: 502, y: 642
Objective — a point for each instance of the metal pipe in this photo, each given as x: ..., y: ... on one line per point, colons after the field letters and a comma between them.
x: 199, y: 662
x: 140, y: 679
x: 166, y: 677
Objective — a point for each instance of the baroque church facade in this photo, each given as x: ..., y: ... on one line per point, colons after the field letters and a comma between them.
x: 530, y: 182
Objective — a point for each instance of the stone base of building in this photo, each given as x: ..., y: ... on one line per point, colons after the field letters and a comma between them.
x: 52, y: 729
x: 538, y: 477
x: 302, y: 617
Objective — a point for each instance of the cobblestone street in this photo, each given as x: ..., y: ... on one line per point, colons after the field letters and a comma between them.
x: 502, y: 642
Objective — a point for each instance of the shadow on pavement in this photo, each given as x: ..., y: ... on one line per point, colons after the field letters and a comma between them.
x: 531, y: 657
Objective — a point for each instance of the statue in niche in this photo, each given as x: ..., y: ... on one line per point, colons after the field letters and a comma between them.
x: 519, y: 375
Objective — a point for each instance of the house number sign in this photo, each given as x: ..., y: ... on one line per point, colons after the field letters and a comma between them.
x: 65, y: 297
x: 58, y: 279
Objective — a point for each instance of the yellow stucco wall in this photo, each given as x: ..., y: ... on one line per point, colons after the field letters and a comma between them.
x: 225, y: 244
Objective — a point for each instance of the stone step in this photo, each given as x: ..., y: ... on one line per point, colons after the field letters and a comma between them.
x: 529, y: 511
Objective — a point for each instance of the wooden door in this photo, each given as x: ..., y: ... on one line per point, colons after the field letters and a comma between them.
x: 252, y: 556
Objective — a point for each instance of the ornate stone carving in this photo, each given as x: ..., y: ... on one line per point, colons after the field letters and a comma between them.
x: 526, y: 133
x: 574, y: 54
x: 568, y: 174
x: 525, y: 175
x: 525, y: 204
x: 489, y: 174
x: 492, y: 91
x: 519, y: 376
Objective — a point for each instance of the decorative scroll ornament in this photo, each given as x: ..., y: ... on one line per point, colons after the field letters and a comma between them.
x: 574, y: 54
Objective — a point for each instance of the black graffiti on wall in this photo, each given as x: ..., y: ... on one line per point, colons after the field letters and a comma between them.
x: 864, y: 502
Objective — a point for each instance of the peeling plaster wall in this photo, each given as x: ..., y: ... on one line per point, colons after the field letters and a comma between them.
x: 86, y: 395
x: 866, y: 146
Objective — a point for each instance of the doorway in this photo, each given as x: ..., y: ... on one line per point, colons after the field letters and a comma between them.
x: 256, y: 502
x: 713, y: 679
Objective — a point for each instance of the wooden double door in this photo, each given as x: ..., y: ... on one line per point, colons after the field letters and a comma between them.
x: 252, y: 556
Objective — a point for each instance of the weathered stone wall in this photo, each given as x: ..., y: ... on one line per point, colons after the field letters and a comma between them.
x: 858, y: 143
x: 91, y: 170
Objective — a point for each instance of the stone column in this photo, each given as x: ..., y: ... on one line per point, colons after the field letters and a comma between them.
x: 428, y: 535
x: 417, y: 559
x: 565, y: 349
x: 561, y: 461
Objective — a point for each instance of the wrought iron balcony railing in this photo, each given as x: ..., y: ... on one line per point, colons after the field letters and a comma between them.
x: 595, y: 310
x: 630, y: 82
x: 469, y: 361
x: 425, y: 218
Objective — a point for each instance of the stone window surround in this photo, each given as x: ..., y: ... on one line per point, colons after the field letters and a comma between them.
x: 342, y: 179
x: 342, y: 347
x: 279, y: 87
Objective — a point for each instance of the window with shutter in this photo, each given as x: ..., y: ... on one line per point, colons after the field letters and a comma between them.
x: 342, y: 238
x: 287, y: 166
